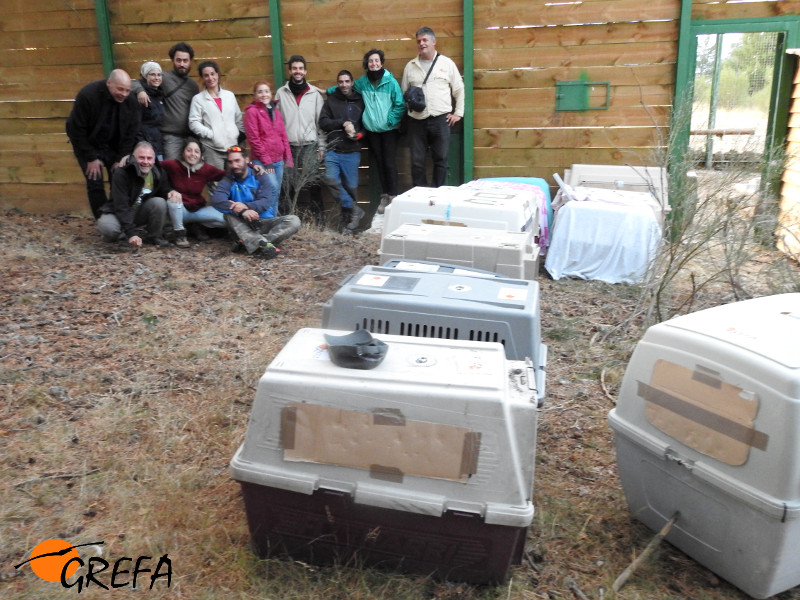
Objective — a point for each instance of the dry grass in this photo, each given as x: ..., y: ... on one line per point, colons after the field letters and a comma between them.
x: 127, y: 380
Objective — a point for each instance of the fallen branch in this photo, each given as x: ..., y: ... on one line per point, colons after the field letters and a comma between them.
x: 603, y: 385
x: 620, y: 581
x: 576, y: 591
x: 60, y: 476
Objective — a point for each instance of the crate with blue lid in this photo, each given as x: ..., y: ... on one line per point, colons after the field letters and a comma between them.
x: 705, y: 430
x: 422, y: 462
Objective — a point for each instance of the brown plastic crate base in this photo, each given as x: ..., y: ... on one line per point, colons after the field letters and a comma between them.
x: 329, y: 528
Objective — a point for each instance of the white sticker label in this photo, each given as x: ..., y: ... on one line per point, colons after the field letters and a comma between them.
x: 413, y: 266
x: 372, y: 280
x: 520, y: 294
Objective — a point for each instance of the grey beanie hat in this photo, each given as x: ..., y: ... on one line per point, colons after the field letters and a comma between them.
x: 150, y: 66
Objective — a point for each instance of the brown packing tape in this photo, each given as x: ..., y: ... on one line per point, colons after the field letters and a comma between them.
x: 697, y: 414
x: 704, y: 386
x: 388, y: 416
x: 386, y: 473
x: 446, y: 223
x: 288, y: 427
x: 707, y: 377
x: 699, y: 409
x: 469, y: 458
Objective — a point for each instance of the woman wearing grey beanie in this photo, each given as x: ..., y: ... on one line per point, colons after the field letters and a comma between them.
x: 153, y: 113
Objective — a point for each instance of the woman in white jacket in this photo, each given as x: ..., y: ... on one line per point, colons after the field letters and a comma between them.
x: 215, y: 117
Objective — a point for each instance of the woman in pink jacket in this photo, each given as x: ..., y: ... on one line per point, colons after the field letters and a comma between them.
x: 266, y: 134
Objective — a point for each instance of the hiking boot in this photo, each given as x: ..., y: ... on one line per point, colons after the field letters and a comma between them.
x: 267, y: 250
x: 355, y: 218
x: 158, y: 241
x: 199, y: 232
x: 180, y: 239
x: 345, y: 216
x: 385, y: 200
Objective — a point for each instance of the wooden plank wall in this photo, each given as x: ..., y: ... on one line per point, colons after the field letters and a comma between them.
x: 788, y: 237
x: 52, y: 50
x: 47, y: 49
x: 335, y: 35
x: 234, y: 34
x: 709, y: 10
x: 522, y: 48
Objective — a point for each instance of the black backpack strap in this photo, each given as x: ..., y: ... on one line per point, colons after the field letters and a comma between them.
x: 183, y: 82
x: 435, y: 58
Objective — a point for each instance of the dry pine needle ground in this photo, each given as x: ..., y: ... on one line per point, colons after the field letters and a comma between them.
x: 127, y: 378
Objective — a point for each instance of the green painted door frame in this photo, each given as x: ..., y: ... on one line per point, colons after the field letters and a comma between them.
x: 684, y: 81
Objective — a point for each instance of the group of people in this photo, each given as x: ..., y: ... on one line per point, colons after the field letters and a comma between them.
x: 164, y: 143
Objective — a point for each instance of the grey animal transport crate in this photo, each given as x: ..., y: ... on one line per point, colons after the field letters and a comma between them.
x: 448, y: 304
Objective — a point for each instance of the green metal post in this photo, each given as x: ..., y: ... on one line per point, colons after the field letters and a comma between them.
x: 681, y: 113
x: 104, y: 35
x: 276, y: 40
x: 469, y: 67
x: 712, y: 105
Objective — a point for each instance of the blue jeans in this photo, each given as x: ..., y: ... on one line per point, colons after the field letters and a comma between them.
x: 341, y: 176
x: 433, y: 132
x: 208, y: 216
x: 275, y: 181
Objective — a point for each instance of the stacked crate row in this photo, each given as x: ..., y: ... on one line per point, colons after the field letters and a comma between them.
x: 421, y: 460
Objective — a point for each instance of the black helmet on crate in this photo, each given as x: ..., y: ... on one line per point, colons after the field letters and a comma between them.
x: 357, y: 350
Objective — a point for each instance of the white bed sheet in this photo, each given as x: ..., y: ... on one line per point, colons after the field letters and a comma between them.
x: 612, y: 241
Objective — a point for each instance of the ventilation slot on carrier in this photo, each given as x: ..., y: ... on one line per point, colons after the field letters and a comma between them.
x: 428, y: 331
x: 485, y: 336
x: 374, y: 325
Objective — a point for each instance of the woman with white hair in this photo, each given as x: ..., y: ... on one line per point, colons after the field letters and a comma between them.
x: 153, y: 113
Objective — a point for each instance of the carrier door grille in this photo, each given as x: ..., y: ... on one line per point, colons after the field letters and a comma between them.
x: 429, y: 331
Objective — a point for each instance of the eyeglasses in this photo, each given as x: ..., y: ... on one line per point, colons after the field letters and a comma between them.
x: 235, y: 149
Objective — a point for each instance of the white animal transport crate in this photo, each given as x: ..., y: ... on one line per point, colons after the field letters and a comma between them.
x: 706, y: 427
x: 503, y: 209
x: 510, y: 253
x: 424, y: 463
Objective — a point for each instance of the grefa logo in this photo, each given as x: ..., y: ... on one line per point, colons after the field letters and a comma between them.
x: 58, y: 561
